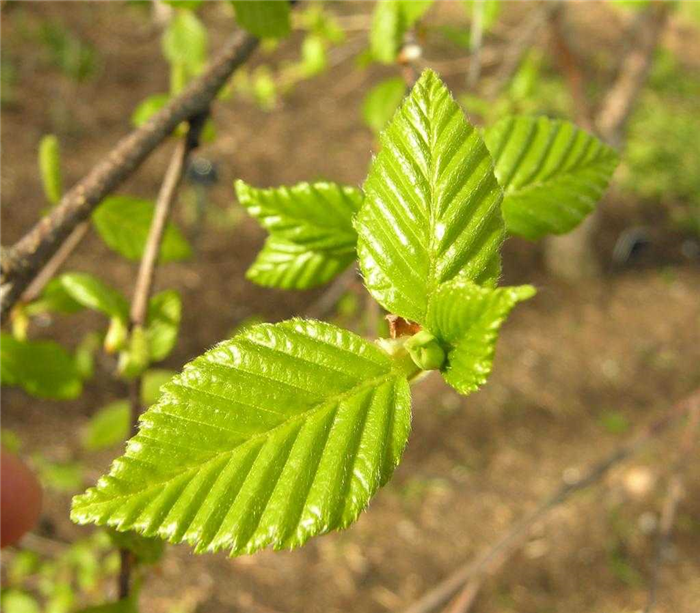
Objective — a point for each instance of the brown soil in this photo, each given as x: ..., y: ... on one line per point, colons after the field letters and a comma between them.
x: 628, y: 343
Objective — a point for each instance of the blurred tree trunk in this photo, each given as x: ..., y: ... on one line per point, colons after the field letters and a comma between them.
x: 572, y: 256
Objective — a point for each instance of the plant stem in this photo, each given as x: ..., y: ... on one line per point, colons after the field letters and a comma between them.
x: 144, y: 286
x: 496, y: 555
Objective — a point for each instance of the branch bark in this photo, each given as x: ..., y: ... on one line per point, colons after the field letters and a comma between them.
x: 491, y: 559
x: 22, y: 262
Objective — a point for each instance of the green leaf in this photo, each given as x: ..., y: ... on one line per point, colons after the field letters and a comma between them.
x: 163, y: 323
x: 148, y: 107
x: 190, y: 5
x: 123, y: 223
x: 128, y: 605
x: 313, y: 55
x: 466, y: 318
x: 151, y: 383
x: 432, y: 205
x: 54, y: 299
x: 491, y: 9
x: 390, y: 21
x: 60, y: 476
x: 312, y: 238
x: 88, y: 290
x: 50, y: 168
x: 41, y: 368
x: 381, y: 102
x: 16, y: 601
x: 265, y: 18
x: 146, y: 550
x: 552, y: 173
x: 185, y: 41
x: 108, y: 427
x: 279, y: 434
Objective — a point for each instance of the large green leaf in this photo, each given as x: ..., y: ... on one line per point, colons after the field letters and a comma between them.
x: 41, y: 368
x: 466, y: 318
x: 123, y: 223
x: 279, y: 434
x: 432, y: 204
x: 89, y: 291
x: 50, y: 168
x: 312, y: 238
x: 163, y: 323
x: 265, y: 18
x: 552, y: 173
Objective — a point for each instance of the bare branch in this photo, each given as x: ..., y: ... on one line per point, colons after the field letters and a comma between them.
x: 21, y: 263
x: 494, y: 556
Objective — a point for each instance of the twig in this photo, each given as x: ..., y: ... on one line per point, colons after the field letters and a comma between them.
x: 21, y: 263
x: 475, y: 40
x: 144, y: 285
x: 619, y: 102
x: 58, y: 259
x: 517, y: 535
x: 674, y: 495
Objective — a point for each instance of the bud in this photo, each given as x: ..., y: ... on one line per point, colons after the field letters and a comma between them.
x: 425, y: 351
x: 134, y: 360
x: 116, y: 336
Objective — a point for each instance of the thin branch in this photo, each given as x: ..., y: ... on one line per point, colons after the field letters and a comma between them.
x: 22, y: 262
x: 673, y: 498
x: 501, y: 550
x: 619, y: 102
x: 144, y: 286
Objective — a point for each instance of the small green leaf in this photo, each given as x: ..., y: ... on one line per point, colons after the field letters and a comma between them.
x: 265, y: 18
x: 466, y: 318
x: 432, y: 205
x: 425, y: 351
x: 108, y: 427
x: 124, y: 222
x: 50, y: 168
x: 552, y: 173
x: 41, y: 368
x: 60, y: 476
x: 312, y: 238
x: 151, y: 383
x: 85, y: 355
x: 381, y: 102
x: 16, y: 601
x: 313, y: 56
x: 163, y: 323
x: 190, y: 5
x: 185, y: 41
x: 279, y: 434
x: 54, y: 299
x: 146, y: 550
x: 135, y: 357
x: 148, y: 107
x: 490, y: 10
x: 88, y: 290
x: 390, y: 21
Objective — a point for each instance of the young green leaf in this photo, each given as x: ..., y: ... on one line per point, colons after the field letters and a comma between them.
x: 41, y: 368
x: 466, y: 318
x: 123, y: 223
x: 390, y: 21
x: 312, y: 238
x: 265, y: 18
x: 185, y: 41
x: 54, y: 299
x: 163, y: 323
x: 552, y: 173
x: 381, y: 102
x: 108, y: 427
x: 148, y: 107
x: 89, y: 291
x: 432, y: 205
x: 50, y: 168
x: 279, y: 434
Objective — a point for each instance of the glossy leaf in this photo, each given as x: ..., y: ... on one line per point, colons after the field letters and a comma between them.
x: 163, y: 323
x: 41, y: 368
x: 466, y: 318
x: 552, y: 173
x: 265, y: 18
x: 279, y: 434
x: 123, y: 223
x: 92, y: 293
x: 50, y: 168
x: 312, y: 238
x: 381, y: 102
x: 432, y: 205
